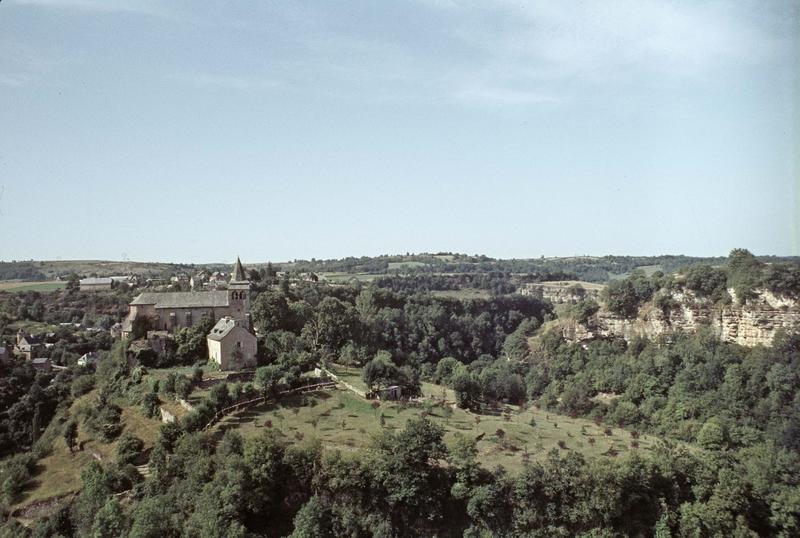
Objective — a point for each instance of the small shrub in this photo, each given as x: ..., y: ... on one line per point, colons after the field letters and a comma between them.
x: 183, y: 387
x: 150, y: 405
x: 592, y: 441
x: 82, y: 384
x: 128, y: 448
x: 562, y: 444
x: 608, y: 431
x: 197, y: 376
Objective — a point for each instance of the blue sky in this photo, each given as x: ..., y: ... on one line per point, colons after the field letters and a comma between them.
x: 195, y: 131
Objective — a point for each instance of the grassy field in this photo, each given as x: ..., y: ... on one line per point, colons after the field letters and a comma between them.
x: 21, y: 285
x: 340, y: 278
x: 463, y: 294
x: 343, y: 421
x: 60, y: 471
x: 650, y: 269
x: 394, y: 266
x: 349, y: 375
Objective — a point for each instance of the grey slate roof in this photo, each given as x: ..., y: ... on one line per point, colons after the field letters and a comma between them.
x: 221, y: 329
x: 30, y: 340
x: 238, y: 272
x: 94, y: 281
x: 184, y: 299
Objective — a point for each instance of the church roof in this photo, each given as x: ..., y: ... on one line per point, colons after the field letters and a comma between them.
x: 223, y: 327
x: 184, y: 299
x: 238, y: 272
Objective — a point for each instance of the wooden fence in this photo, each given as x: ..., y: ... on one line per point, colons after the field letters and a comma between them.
x: 247, y: 404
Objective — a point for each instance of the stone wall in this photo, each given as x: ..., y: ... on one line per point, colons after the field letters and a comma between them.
x: 748, y: 325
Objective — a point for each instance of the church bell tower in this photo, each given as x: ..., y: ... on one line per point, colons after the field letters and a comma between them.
x: 239, y: 295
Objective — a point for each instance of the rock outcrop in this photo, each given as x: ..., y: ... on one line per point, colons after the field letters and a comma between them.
x: 751, y: 324
x: 562, y: 292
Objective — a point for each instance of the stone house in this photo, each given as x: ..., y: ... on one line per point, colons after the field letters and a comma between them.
x: 394, y: 392
x: 44, y: 364
x: 88, y: 359
x: 27, y: 345
x: 196, y: 282
x: 172, y: 310
x: 231, y: 346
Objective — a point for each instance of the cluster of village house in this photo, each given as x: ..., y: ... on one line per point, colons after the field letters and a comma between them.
x: 231, y: 343
x: 28, y: 347
x: 204, y: 280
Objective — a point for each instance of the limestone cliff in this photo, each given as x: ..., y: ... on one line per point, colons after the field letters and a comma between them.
x: 749, y: 325
x: 562, y: 292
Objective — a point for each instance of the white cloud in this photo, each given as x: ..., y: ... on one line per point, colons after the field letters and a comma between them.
x: 525, y: 47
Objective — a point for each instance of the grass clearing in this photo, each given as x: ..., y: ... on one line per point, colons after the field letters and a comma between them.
x: 405, y: 265
x: 650, y: 269
x: 462, y: 294
x: 340, y: 277
x: 343, y: 421
x: 60, y: 472
x: 349, y: 375
x: 20, y: 285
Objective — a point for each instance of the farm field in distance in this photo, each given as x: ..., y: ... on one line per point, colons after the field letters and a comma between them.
x: 21, y: 285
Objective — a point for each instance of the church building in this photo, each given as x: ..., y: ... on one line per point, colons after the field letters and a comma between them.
x: 169, y: 311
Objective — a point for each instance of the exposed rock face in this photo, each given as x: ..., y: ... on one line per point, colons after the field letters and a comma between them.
x: 562, y: 292
x: 748, y: 325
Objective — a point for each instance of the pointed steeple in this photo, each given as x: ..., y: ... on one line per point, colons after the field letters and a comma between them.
x: 238, y: 272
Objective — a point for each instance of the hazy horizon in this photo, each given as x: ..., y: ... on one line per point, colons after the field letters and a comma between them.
x: 248, y: 261
x: 188, y: 131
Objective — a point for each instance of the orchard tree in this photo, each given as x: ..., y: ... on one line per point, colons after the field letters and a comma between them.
x: 71, y: 434
x: 268, y: 378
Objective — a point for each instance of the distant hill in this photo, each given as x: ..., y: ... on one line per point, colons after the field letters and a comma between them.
x: 586, y: 268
